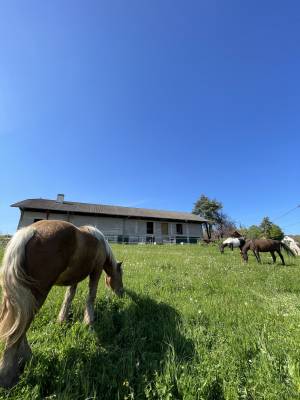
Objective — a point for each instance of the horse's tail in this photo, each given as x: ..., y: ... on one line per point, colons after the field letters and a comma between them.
x: 19, y: 304
x: 287, y: 249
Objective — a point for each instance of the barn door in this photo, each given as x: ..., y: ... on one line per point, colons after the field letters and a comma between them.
x: 165, y: 228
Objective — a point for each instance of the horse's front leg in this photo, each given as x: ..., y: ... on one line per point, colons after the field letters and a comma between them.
x: 258, y: 257
x: 25, y: 353
x: 89, y: 314
x: 66, y: 305
x: 256, y: 253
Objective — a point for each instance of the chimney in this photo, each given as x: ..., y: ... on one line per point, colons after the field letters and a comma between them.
x: 60, y: 198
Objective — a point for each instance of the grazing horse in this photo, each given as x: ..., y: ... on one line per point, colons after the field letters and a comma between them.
x: 265, y: 245
x: 39, y: 256
x: 232, y: 243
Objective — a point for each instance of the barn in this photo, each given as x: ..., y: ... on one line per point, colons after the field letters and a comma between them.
x: 119, y: 224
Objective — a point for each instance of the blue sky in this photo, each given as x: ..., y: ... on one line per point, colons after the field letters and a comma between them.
x: 150, y: 104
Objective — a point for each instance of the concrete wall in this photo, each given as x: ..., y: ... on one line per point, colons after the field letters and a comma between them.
x: 111, y: 226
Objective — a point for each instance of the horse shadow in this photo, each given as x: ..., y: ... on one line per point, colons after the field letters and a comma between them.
x: 131, y: 346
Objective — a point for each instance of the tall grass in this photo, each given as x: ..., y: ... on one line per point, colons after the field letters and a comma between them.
x: 194, y: 324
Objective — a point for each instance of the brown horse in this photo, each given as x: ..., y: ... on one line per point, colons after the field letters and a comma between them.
x: 266, y: 245
x: 39, y: 256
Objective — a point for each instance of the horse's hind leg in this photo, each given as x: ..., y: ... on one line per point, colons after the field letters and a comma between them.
x: 66, y: 305
x: 273, y: 256
x: 281, y: 257
x: 89, y: 315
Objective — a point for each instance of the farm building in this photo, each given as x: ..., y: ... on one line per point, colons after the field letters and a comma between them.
x: 119, y: 224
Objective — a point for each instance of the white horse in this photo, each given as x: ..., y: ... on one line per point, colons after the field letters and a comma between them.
x: 293, y: 245
x: 233, y: 243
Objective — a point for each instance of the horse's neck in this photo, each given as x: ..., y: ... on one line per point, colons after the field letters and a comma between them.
x: 247, y: 246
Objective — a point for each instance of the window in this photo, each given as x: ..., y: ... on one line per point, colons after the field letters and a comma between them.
x: 179, y: 229
x: 164, y: 228
x: 150, y: 228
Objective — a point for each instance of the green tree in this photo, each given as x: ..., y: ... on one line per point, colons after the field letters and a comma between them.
x: 207, y: 208
x: 243, y: 230
x: 276, y: 232
x: 266, y: 230
x: 253, y: 232
x: 211, y: 210
x: 265, y: 227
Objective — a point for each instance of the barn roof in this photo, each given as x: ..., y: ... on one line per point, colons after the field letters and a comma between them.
x: 107, y: 210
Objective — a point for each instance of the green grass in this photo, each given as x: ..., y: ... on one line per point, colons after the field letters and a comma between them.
x: 194, y: 324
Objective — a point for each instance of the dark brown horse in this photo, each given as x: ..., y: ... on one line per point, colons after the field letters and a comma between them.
x: 39, y: 256
x: 266, y: 245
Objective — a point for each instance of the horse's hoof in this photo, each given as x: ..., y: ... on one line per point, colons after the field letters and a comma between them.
x: 89, y: 324
x: 64, y: 320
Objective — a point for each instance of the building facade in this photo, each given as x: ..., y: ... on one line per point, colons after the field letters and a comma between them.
x: 119, y: 224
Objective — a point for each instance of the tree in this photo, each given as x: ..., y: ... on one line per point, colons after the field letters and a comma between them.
x: 253, y: 232
x: 211, y: 209
x: 243, y: 230
x: 276, y: 232
x: 266, y: 230
x: 265, y: 227
x: 224, y: 226
x: 207, y: 208
x: 270, y: 230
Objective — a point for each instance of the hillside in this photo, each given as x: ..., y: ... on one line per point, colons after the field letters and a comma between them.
x: 194, y: 324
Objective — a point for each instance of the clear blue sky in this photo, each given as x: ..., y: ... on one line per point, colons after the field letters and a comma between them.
x: 151, y: 103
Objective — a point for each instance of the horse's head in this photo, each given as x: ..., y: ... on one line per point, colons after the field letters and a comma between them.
x: 244, y: 251
x: 244, y: 255
x: 221, y: 247
x: 115, y: 281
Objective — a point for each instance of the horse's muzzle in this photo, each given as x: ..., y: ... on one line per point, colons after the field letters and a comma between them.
x: 120, y: 292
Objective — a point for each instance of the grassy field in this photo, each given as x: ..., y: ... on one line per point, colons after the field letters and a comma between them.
x: 194, y: 324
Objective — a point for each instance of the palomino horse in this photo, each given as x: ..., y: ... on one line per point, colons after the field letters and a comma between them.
x: 39, y: 256
x: 264, y: 245
x: 232, y: 243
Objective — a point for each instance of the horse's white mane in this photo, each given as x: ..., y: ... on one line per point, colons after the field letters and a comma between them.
x: 95, y: 232
x: 100, y: 236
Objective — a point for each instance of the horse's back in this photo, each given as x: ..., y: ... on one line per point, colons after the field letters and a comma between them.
x: 49, y: 250
x: 233, y: 241
x: 266, y: 244
x: 58, y: 253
